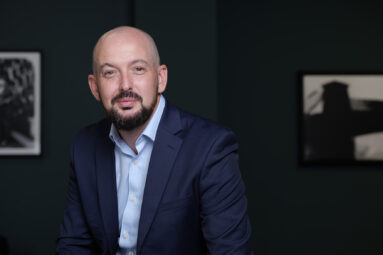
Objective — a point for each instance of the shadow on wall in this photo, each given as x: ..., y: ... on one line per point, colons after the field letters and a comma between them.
x: 4, y: 248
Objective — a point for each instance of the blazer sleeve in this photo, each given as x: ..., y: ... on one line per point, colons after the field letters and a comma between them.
x: 75, y: 237
x: 225, y: 224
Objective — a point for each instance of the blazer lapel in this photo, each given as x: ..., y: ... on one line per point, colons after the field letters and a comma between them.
x: 164, y: 153
x: 106, y: 186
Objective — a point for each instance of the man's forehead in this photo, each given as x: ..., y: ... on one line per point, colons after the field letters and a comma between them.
x: 120, y: 46
x: 123, y: 54
x: 123, y: 45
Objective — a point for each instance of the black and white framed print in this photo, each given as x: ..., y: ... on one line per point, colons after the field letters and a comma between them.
x: 341, y: 118
x: 20, y: 103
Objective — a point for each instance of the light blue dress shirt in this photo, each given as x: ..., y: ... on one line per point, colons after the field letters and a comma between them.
x: 131, y: 172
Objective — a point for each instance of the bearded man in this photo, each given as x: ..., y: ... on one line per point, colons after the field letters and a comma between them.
x: 150, y: 179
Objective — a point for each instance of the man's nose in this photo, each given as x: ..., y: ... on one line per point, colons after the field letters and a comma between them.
x: 126, y: 83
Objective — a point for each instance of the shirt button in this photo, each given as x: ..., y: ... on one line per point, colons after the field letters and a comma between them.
x: 135, y: 161
x: 125, y: 235
x: 133, y: 198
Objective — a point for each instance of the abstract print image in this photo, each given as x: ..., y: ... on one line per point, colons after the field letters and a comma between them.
x: 342, y: 118
x: 20, y: 103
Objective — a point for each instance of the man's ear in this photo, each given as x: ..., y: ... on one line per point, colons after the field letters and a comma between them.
x: 162, y: 78
x: 93, y: 86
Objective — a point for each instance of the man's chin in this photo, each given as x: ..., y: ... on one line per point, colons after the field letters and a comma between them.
x: 127, y: 113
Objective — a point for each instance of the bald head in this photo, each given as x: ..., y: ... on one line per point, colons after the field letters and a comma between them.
x: 125, y: 35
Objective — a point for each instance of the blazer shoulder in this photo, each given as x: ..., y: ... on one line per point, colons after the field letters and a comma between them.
x: 93, y: 132
x: 203, y: 129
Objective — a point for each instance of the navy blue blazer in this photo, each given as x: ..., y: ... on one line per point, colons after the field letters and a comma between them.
x: 194, y: 198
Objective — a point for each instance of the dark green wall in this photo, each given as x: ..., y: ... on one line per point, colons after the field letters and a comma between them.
x: 262, y: 45
x: 185, y: 32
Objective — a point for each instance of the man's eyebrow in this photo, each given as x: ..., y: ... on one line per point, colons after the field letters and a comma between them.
x: 137, y: 61
x: 107, y: 65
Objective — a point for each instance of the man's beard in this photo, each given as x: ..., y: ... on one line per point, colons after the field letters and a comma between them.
x: 132, y: 122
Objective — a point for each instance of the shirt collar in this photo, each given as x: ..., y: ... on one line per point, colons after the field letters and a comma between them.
x: 150, y: 130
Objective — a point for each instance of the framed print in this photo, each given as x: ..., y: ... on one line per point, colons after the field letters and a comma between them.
x: 20, y: 103
x: 341, y: 118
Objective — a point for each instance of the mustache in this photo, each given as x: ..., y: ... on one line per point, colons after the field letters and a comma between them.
x: 126, y: 94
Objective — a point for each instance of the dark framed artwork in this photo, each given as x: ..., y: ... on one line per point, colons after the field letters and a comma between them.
x: 20, y: 103
x: 341, y: 118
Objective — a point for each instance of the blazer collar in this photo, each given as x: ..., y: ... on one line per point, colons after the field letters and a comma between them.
x: 165, y: 149
x: 171, y: 119
x: 106, y: 184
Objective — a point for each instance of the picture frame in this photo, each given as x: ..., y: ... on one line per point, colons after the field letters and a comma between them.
x: 340, y: 118
x: 20, y: 102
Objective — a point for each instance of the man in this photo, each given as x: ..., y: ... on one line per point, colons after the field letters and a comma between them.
x: 151, y: 179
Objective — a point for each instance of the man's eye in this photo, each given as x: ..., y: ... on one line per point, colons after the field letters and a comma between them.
x: 139, y: 69
x: 108, y: 73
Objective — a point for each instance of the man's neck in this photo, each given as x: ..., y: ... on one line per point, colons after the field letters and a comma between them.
x: 131, y: 136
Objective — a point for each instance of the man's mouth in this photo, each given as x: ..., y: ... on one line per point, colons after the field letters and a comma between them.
x: 126, y: 102
x: 126, y: 99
